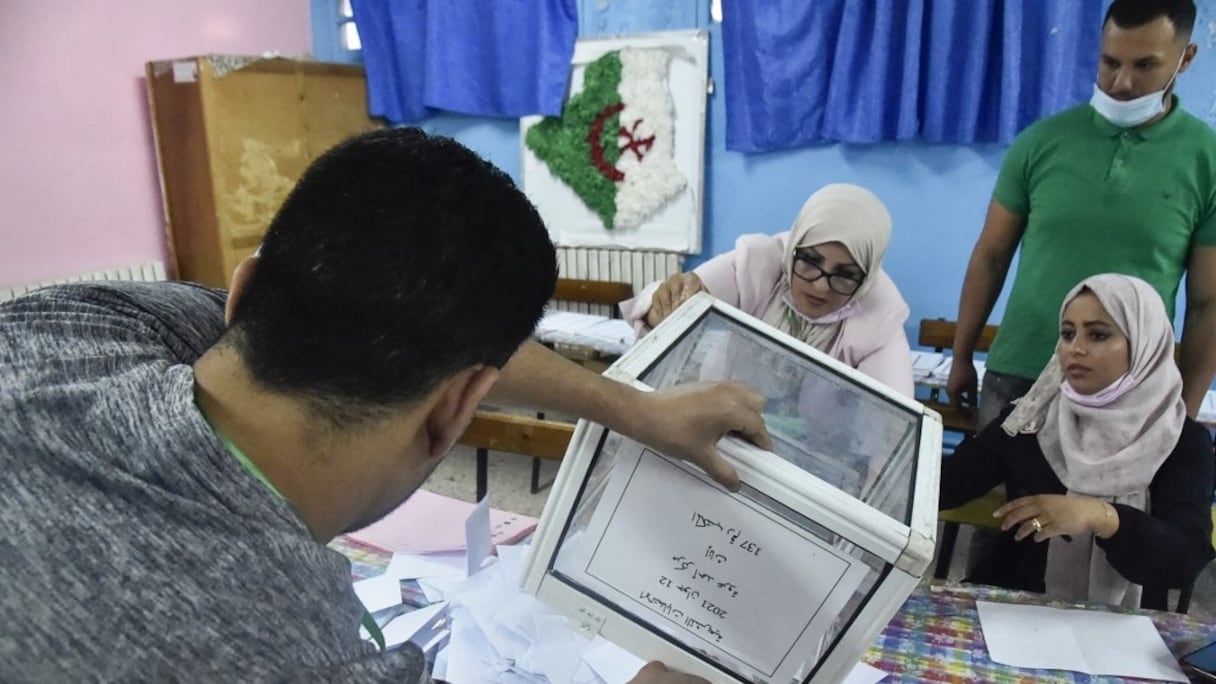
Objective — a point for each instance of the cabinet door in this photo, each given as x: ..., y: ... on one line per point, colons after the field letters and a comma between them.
x: 234, y: 135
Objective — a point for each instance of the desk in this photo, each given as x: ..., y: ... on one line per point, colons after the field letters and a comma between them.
x: 934, y: 637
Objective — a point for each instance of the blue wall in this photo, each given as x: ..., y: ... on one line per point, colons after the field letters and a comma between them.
x: 937, y: 194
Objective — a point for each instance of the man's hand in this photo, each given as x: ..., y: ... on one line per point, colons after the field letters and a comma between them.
x: 657, y: 673
x: 686, y: 422
x: 963, y: 384
x: 671, y: 294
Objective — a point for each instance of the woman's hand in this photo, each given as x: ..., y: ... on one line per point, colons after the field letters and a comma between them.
x: 671, y: 294
x: 1056, y: 515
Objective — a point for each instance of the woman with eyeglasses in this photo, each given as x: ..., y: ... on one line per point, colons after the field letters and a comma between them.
x: 821, y: 282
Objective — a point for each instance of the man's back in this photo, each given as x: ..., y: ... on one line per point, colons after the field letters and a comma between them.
x: 120, y: 502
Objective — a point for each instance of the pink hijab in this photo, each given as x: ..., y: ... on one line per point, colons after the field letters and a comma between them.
x: 1110, y: 451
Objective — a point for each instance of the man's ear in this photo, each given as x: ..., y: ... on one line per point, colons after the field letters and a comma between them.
x: 458, y: 400
x: 240, y: 278
x: 1188, y: 56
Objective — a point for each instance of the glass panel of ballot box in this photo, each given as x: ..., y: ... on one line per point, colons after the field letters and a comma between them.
x: 788, y: 579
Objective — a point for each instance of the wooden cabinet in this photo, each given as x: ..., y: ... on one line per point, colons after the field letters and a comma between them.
x: 233, y: 134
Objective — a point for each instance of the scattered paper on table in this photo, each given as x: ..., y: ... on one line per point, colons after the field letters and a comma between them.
x: 403, y: 628
x: 613, y: 664
x: 378, y: 593
x: 413, y: 566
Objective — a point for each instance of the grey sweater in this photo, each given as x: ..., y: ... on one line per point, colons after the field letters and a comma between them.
x: 133, y: 546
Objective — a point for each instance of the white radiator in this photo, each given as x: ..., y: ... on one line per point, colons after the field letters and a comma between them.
x: 637, y: 268
x: 149, y: 272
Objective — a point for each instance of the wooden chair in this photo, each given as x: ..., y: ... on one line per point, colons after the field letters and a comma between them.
x: 538, y: 437
x: 939, y: 334
x: 604, y: 292
x: 514, y: 434
x: 604, y: 295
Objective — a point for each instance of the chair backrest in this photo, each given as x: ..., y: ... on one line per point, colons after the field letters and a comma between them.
x: 606, y: 292
x: 938, y: 333
x: 599, y: 297
x: 518, y: 435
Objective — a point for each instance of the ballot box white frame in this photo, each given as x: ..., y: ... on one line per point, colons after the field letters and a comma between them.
x: 907, y: 548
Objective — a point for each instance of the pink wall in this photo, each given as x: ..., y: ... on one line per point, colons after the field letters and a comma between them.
x: 78, y: 182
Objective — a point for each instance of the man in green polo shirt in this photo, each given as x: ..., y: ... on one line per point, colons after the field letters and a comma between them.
x: 1124, y: 184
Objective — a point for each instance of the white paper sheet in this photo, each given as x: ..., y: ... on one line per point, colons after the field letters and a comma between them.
x: 611, y: 663
x: 413, y: 566
x: 1093, y: 642
x: 440, y: 588
x: 378, y: 593
x: 477, y: 536
x: 403, y: 628
x: 864, y: 673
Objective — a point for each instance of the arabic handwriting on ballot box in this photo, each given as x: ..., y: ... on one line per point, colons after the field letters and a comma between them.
x: 729, y: 577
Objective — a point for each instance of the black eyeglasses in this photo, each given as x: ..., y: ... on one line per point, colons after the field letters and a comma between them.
x: 839, y: 283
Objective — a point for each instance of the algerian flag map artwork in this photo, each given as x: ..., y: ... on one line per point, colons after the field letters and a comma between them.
x: 614, y: 143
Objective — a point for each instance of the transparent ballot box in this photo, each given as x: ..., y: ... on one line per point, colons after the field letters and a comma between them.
x: 788, y: 580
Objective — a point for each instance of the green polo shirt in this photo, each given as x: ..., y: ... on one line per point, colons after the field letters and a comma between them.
x: 1099, y: 199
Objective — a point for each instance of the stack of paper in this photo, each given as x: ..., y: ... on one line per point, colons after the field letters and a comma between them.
x: 603, y: 334
x: 941, y: 373
x: 924, y: 363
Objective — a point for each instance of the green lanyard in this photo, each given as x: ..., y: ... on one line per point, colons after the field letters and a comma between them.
x: 368, y: 622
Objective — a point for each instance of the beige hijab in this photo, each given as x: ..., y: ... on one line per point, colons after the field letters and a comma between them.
x: 844, y: 213
x: 1110, y: 452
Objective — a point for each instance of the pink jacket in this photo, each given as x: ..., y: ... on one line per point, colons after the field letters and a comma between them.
x: 872, y: 340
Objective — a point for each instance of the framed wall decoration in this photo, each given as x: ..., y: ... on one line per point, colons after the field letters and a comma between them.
x: 623, y: 166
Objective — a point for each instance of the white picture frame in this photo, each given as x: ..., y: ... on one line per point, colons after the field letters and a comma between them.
x: 677, y: 225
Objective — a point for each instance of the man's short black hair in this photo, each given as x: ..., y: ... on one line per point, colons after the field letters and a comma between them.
x: 1133, y: 13
x: 398, y: 259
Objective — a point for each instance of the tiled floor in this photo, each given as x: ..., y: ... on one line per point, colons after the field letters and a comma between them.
x: 509, y: 484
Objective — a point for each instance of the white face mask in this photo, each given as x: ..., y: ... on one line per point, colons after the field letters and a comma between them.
x: 1129, y: 113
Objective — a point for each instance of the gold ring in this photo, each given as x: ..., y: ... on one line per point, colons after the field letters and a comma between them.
x: 1038, y: 526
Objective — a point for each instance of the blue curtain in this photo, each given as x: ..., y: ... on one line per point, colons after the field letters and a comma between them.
x: 862, y: 71
x: 505, y: 58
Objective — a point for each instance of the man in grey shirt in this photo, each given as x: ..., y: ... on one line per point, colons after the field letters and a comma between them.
x: 173, y: 459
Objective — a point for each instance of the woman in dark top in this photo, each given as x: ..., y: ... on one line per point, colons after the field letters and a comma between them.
x: 1109, y: 482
